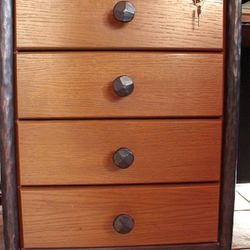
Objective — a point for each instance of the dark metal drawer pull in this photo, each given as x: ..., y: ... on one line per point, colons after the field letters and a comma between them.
x: 123, y: 158
x: 123, y: 86
x: 124, y: 11
x: 123, y: 224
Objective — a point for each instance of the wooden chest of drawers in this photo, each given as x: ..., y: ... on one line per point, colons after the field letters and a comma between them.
x: 125, y: 124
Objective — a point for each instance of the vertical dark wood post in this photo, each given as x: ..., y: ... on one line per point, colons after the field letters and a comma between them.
x: 231, y: 121
x: 7, y: 129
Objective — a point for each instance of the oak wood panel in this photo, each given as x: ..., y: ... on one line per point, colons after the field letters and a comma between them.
x: 83, y: 217
x: 66, y: 24
x: 81, y: 152
x: 66, y: 85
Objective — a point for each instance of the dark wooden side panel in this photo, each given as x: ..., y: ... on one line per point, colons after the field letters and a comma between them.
x: 231, y: 121
x: 7, y: 132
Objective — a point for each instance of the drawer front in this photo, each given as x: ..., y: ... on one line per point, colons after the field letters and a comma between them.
x: 66, y: 24
x: 66, y: 85
x: 83, y: 217
x: 82, y: 152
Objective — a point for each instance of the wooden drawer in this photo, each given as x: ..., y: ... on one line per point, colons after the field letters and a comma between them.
x: 66, y: 85
x: 83, y: 217
x: 90, y: 24
x: 81, y: 152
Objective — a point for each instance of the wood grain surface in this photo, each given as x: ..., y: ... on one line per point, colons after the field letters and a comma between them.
x: 81, y: 152
x: 90, y: 24
x: 80, y: 84
x: 83, y: 217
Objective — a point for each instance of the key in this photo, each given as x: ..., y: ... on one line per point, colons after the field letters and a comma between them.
x: 199, y: 14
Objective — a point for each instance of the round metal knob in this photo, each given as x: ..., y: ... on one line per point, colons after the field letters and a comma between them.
x: 123, y: 224
x: 124, y: 11
x: 123, y: 158
x: 123, y: 86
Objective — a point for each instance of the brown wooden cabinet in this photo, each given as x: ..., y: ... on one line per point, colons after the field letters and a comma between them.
x: 125, y: 132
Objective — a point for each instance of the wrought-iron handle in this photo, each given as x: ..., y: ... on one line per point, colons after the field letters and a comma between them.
x: 123, y: 86
x: 123, y: 158
x: 124, y: 11
x: 123, y: 224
